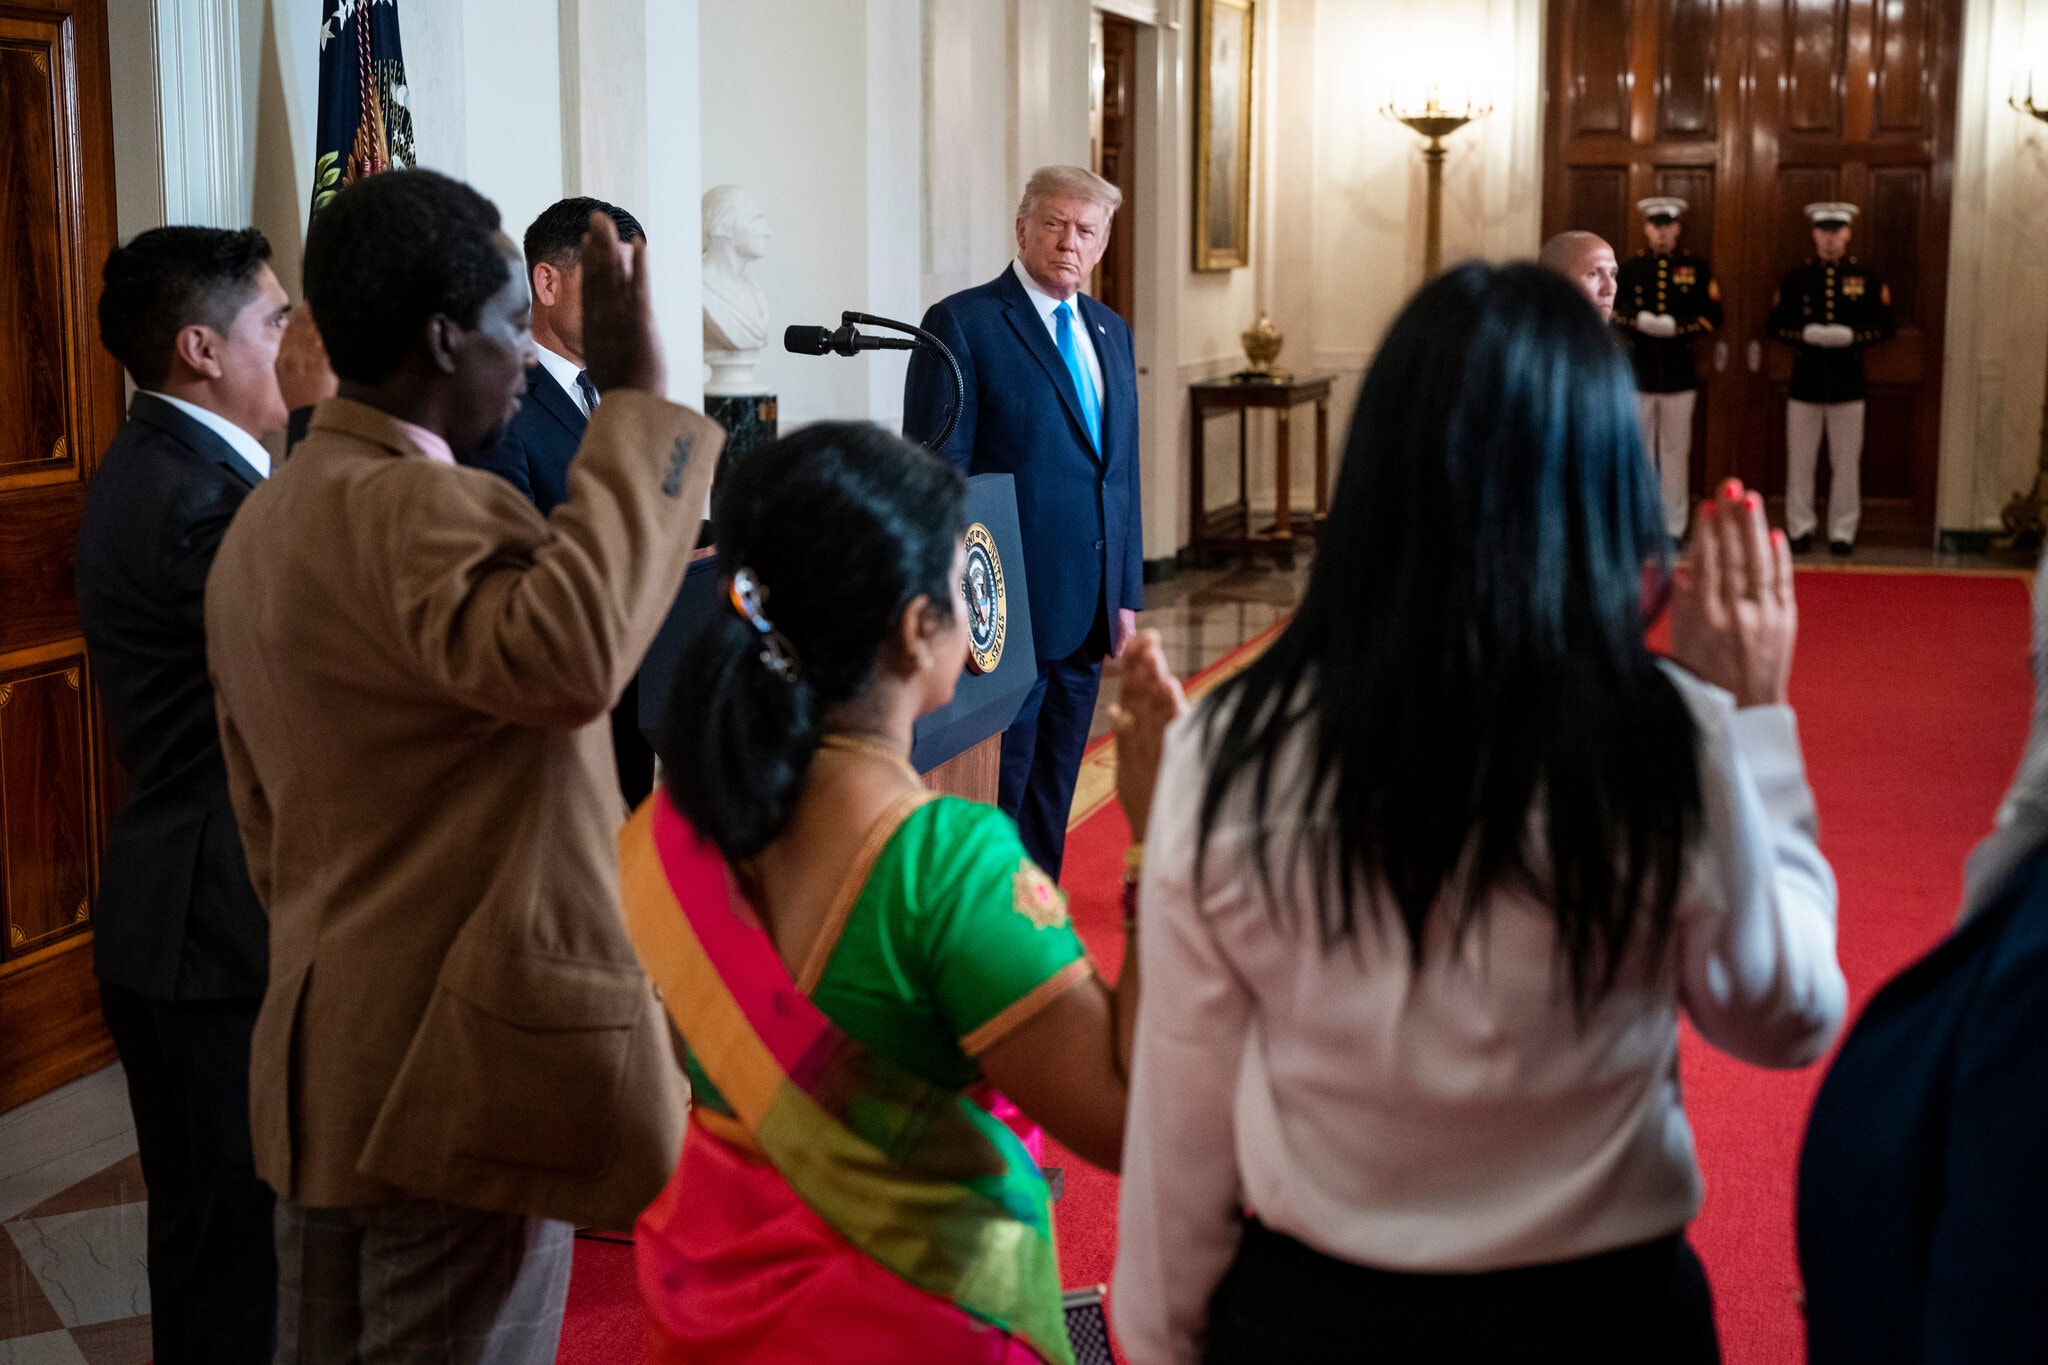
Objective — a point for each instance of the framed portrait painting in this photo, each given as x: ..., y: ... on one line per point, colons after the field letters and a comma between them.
x: 1223, y: 135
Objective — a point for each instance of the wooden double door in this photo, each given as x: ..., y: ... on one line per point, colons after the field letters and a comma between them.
x: 60, y: 404
x: 1750, y: 110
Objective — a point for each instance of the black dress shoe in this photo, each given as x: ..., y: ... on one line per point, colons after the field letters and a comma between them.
x: 1801, y: 544
x: 1840, y: 548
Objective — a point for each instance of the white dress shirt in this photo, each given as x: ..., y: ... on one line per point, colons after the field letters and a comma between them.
x: 244, y: 445
x: 1459, y: 1118
x: 565, y: 371
x: 1084, y: 338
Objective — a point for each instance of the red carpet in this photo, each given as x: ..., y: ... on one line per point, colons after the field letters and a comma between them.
x: 1913, y: 694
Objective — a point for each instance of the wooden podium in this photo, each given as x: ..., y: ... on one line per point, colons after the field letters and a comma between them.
x: 958, y: 747
x: 972, y: 774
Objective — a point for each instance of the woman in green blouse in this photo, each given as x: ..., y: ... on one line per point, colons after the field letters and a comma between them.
x: 869, y: 979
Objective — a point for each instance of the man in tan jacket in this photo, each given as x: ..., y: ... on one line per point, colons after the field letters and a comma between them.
x: 458, y: 1055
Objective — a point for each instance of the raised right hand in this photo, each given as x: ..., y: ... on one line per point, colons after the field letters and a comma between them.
x: 1149, y: 698
x: 1734, y: 618
x: 303, y: 375
x: 621, y: 346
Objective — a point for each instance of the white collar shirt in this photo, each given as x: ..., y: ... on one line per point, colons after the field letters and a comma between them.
x: 1083, y: 333
x: 565, y: 371
x: 240, y: 441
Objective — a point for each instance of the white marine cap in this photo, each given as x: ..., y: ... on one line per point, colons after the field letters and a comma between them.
x: 1661, y: 206
x: 1830, y: 214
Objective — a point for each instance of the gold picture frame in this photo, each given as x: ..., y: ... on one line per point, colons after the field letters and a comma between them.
x: 1223, y: 134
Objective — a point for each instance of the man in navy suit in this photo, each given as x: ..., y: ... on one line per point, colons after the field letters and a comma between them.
x: 1052, y: 400
x: 536, y: 446
x: 181, y: 945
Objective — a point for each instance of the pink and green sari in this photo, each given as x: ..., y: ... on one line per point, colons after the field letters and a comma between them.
x: 842, y: 1195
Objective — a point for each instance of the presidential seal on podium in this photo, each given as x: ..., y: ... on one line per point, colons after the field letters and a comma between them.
x: 988, y: 611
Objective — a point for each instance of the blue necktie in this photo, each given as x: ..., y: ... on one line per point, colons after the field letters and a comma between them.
x: 588, y: 390
x: 1091, y: 402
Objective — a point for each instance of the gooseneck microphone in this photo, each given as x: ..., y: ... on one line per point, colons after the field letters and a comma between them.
x: 850, y: 340
x: 846, y: 341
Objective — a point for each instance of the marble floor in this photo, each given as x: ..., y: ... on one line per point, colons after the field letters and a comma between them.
x: 1204, y: 614
x: 73, y: 1273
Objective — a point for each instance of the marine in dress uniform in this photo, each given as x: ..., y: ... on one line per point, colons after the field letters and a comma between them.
x: 1667, y: 297
x: 1828, y: 309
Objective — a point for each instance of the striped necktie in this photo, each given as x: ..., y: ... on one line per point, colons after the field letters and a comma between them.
x: 587, y: 389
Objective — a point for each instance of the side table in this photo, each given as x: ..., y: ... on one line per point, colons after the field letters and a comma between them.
x: 1229, y: 529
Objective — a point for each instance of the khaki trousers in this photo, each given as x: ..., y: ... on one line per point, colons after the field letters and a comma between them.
x: 1667, y: 440
x: 1803, y: 425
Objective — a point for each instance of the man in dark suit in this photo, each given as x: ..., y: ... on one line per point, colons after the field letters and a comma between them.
x: 1052, y: 399
x: 537, y: 444
x: 181, y: 946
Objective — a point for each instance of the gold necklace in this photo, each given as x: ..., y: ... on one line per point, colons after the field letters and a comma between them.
x: 854, y: 744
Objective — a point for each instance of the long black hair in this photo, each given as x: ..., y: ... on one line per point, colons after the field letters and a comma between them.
x: 1469, y: 652
x: 843, y: 526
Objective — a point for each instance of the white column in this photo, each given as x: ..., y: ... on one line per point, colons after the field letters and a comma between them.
x: 631, y: 133
x: 895, y: 79
x: 178, y: 125
x: 1160, y: 224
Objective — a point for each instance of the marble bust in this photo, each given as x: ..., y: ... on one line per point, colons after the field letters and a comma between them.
x: 735, y: 310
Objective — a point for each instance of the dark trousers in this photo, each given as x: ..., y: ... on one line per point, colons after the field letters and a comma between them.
x: 212, y: 1255
x: 1042, y: 748
x: 630, y: 749
x: 1640, y: 1305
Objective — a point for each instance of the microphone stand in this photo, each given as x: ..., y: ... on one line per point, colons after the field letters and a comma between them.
x: 847, y: 341
x: 928, y: 342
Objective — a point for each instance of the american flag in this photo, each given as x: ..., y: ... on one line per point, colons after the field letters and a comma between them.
x: 365, y: 114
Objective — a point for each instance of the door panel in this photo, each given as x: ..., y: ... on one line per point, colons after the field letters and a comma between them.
x: 62, y: 396
x: 1599, y: 88
x: 1688, y: 61
x: 1760, y: 108
x: 1904, y: 65
x: 32, y: 287
x: 1892, y: 234
x: 1813, y: 75
x: 45, y: 802
x: 1599, y: 200
x: 1116, y: 150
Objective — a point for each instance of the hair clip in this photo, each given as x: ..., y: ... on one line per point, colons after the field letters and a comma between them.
x: 747, y: 595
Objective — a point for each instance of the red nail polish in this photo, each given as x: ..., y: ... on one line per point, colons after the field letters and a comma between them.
x: 1756, y: 502
x: 1732, y: 489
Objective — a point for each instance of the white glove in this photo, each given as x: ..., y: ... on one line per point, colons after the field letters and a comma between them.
x: 1657, y: 324
x: 1829, y: 336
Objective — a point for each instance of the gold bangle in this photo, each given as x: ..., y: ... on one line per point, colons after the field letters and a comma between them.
x: 1134, y: 857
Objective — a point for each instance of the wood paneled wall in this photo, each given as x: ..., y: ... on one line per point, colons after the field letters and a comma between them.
x: 1751, y: 109
x: 61, y: 394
